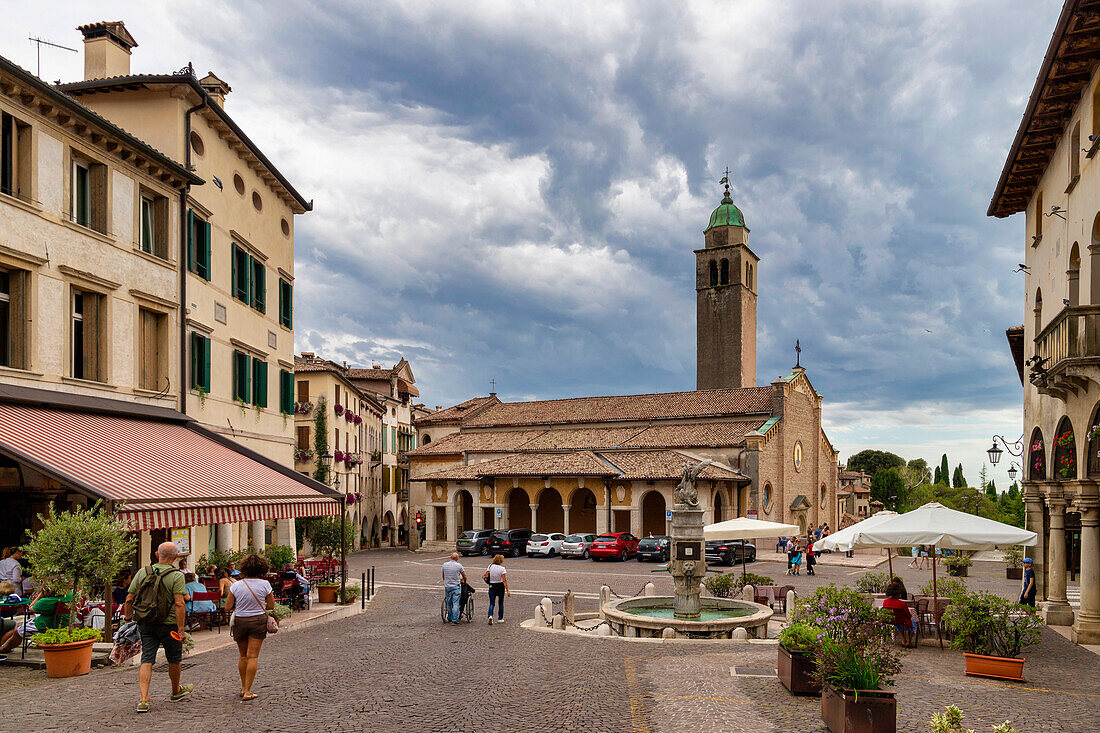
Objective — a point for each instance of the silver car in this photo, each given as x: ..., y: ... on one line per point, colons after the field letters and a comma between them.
x: 577, y: 545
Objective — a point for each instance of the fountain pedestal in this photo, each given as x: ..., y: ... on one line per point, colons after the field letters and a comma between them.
x: 687, y: 563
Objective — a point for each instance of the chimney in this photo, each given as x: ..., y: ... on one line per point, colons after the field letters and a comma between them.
x: 215, y: 87
x: 107, y: 47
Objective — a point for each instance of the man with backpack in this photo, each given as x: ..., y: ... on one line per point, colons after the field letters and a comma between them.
x: 156, y: 601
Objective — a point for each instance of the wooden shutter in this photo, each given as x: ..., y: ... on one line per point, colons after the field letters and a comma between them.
x: 303, y: 437
x: 160, y: 227
x: 259, y: 383
x: 303, y: 390
x: 206, y: 364
x: 92, y: 327
x: 258, y: 285
x: 149, y: 368
x: 17, y: 310
x: 190, y: 240
x: 99, y: 197
x: 206, y: 250
x: 242, y: 376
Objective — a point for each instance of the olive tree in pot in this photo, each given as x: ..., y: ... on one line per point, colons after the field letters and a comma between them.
x: 992, y: 633
x: 70, y: 551
x: 957, y: 564
x: 324, y: 537
x: 798, y: 645
x: 1014, y: 562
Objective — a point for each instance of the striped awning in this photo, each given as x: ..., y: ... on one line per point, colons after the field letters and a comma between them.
x: 158, y: 473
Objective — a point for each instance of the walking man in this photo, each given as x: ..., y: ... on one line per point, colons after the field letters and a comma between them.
x: 454, y: 575
x: 156, y: 601
x: 1027, y: 595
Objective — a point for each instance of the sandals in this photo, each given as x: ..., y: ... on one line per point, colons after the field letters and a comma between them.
x: 249, y: 698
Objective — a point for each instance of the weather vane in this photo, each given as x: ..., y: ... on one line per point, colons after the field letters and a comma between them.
x: 726, y: 181
x: 797, y: 354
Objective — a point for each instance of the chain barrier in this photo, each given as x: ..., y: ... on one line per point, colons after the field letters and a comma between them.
x: 621, y: 598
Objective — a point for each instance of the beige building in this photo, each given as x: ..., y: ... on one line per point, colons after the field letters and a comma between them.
x: 239, y: 253
x: 353, y: 432
x: 854, y: 497
x: 612, y: 463
x: 92, y: 247
x: 1052, y: 176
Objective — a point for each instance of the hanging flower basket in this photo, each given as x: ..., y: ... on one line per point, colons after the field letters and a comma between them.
x: 349, y: 416
x: 338, y: 409
x: 303, y: 408
x: 338, y: 456
x: 303, y: 454
x: 358, y: 420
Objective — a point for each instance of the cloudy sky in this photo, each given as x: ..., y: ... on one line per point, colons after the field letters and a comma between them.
x: 512, y: 190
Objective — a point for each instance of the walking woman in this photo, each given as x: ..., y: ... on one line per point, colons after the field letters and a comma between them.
x: 498, y: 587
x: 250, y: 598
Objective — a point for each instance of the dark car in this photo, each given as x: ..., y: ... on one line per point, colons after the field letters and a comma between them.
x: 614, y: 545
x: 722, y: 552
x: 654, y: 548
x: 509, y: 542
x: 474, y: 542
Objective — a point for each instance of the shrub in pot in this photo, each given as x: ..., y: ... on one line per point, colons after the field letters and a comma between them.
x: 945, y: 588
x: 873, y: 583
x: 729, y: 585
x: 951, y: 721
x: 1014, y: 562
x: 280, y: 556
x: 992, y: 633
x: 957, y: 564
x: 350, y: 594
x: 798, y: 645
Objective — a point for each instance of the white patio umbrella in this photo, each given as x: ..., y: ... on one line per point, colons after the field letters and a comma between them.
x: 743, y: 528
x: 935, y: 524
x: 841, y: 540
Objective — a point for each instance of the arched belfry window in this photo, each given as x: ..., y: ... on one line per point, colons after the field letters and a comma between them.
x: 1093, y: 458
x: 713, y: 273
x: 1065, y: 452
x: 1038, y: 310
x: 725, y: 276
x: 1074, y: 275
x: 749, y: 274
x: 1036, y: 457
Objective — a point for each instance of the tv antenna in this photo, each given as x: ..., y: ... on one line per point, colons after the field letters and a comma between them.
x: 40, y: 42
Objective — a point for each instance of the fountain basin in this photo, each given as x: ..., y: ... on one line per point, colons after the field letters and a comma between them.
x: 649, y: 616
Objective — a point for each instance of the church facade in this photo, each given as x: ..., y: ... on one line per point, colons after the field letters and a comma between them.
x: 612, y: 463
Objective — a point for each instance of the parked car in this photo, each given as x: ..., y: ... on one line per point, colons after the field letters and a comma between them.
x: 721, y: 552
x: 654, y: 548
x: 474, y: 542
x: 614, y: 545
x: 545, y: 545
x: 577, y: 545
x: 509, y: 542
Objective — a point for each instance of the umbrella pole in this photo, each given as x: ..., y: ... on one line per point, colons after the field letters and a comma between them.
x: 890, y: 563
x: 744, y: 573
x: 936, y: 601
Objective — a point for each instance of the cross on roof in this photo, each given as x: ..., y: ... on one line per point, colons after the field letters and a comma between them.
x: 797, y: 354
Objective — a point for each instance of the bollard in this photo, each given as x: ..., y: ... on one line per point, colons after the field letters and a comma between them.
x: 568, y: 607
x: 363, y: 595
x: 547, y: 609
x: 740, y: 634
x: 649, y: 590
x: 539, y: 618
x: 605, y: 595
x: 748, y: 593
x: 668, y: 633
x: 559, y: 622
x: 790, y: 602
x: 603, y: 630
x: 373, y: 573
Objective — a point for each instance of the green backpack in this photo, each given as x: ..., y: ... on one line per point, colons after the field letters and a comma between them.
x: 153, y: 602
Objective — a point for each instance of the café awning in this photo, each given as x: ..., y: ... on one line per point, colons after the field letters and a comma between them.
x: 156, y: 467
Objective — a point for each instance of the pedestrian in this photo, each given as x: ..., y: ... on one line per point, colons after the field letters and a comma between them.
x: 913, y: 552
x: 796, y: 563
x: 923, y: 557
x: 790, y: 554
x: 497, y: 579
x: 249, y: 599
x: 156, y: 601
x: 1027, y: 595
x: 811, y: 559
x: 10, y: 568
x: 454, y: 575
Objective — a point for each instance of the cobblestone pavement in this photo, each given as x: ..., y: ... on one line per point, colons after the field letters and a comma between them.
x: 397, y: 668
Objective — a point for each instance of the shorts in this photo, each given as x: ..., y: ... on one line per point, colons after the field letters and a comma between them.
x: 154, y: 636
x: 250, y: 627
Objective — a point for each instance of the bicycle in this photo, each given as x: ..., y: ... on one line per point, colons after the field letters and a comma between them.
x: 465, y: 605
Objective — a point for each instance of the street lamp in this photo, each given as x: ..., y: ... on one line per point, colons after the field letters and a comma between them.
x: 1012, y: 472
x: 1015, y: 448
x: 994, y: 454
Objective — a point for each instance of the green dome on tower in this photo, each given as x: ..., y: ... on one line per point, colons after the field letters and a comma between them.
x: 727, y: 214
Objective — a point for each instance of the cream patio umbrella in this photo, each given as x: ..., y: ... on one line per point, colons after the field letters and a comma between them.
x: 743, y: 528
x: 841, y: 540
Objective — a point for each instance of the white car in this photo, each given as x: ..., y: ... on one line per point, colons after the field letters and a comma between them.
x: 545, y: 545
x: 577, y: 545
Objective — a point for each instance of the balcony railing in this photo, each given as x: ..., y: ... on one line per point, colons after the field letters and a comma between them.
x: 1067, y: 351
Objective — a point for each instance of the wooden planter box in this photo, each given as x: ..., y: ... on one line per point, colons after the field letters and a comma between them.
x: 1014, y: 573
x: 68, y: 660
x: 1001, y: 668
x: 796, y: 670
x: 859, y: 711
x: 960, y: 572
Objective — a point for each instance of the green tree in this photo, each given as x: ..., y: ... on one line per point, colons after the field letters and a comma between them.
x: 888, y: 487
x: 872, y: 461
x: 983, y: 477
x: 945, y: 472
x: 918, y: 471
x: 958, y: 481
x: 320, y: 439
x: 991, y: 490
x: 939, y: 476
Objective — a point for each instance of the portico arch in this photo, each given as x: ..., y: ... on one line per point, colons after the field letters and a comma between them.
x: 519, y: 509
x: 719, y: 505
x: 1093, y: 462
x: 582, y: 511
x: 388, y: 535
x: 1036, y: 457
x: 550, y: 517
x: 1065, y: 452
x: 653, y: 513
x: 464, y: 511
x: 1073, y: 273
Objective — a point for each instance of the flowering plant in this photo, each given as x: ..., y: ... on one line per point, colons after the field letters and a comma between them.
x: 338, y: 456
x: 800, y: 638
x: 358, y: 420
x: 1094, y: 433
x: 349, y: 416
x: 338, y: 409
x: 1065, y: 439
x: 303, y: 408
x: 1037, y: 458
x: 303, y: 454
x: 1067, y: 465
x: 352, y: 459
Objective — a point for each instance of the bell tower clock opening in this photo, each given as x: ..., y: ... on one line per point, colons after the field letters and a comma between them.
x: 725, y: 288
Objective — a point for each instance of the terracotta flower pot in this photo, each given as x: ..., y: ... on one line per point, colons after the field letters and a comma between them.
x: 958, y: 572
x: 859, y: 711
x: 796, y: 670
x: 1001, y: 668
x: 327, y: 593
x: 1014, y: 573
x: 68, y: 660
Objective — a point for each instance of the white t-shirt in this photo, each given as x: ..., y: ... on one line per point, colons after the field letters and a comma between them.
x: 10, y: 569
x: 496, y: 573
x: 244, y: 603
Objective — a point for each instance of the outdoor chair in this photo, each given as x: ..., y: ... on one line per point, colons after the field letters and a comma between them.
x: 206, y: 619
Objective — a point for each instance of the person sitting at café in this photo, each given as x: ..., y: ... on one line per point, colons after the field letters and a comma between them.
x: 223, y: 583
x: 7, y: 613
x: 45, y: 606
x: 122, y: 582
x: 903, y: 620
x: 191, y: 587
x: 904, y: 593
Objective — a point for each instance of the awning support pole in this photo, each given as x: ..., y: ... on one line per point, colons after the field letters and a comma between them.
x: 343, y: 551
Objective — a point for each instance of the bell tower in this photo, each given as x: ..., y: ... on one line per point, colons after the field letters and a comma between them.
x: 725, y: 289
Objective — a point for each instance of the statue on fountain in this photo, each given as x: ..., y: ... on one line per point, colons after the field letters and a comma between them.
x: 685, y: 492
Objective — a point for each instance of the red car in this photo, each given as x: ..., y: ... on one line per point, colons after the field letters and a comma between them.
x: 618, y: 545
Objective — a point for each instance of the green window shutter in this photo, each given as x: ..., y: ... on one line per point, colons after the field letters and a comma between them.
x: 259, y: 383
x: 190, y: 240
x: 242, y: 376
x: 286, y: 303
x: 206, y: 250
x: 196, y: 374
x: 233, y: 275
x: 206, y: 364
x: 259, y: 287
x: 383, y: 438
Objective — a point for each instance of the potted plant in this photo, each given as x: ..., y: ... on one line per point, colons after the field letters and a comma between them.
x: 351, y: 594
x: 957, y: 564
x: 798, y: 644
x: 71, y: 550
x: 992, y: 633
x: 872, y: 583
x: 1014, y: 562
x: 280, y: 556
x: 338, y: 409
x: 951, y: 721
x: 324, y: 537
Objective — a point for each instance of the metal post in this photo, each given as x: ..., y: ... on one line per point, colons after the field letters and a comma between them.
x: 343, y: 551
x: 373, y: 573
x: 363, y: 595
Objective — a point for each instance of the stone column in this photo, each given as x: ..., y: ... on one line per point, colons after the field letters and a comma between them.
x: 1056, y: 609
x: 565, y: 518
x: 285, y: 533
x: 534, y: 512
x: 429, y: 522
x: 1033, y: 521
x: 1086, y: 629
x: 636, y: 521
x: 259, y: 535
x: 477, y: 519
x: 601, y: 518
x: 223, y: 539
x: 452, y: 521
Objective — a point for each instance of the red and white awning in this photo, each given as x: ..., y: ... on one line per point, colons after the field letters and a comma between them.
x: 158, y: 473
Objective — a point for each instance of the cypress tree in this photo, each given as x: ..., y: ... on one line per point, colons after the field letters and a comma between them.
x: 945, y: 471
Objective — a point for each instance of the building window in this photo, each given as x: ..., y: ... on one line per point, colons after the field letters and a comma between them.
x: 303, y: 437
x: 198, y: 245
x: 1038, y: 218
x: 15, y: 157
x: 200, y: 362
x: 154, y: 224
x: 13, y: 318
x: 303, y: 391
x: 87, y: 332
x: 152, y: 350
x: 286, y: 304
x: 259, y: 383
x: 242, y: 376
x: 259, y: 286
x: 286, y: 392
x: 713, y: 273
x: 88, y: 203
x: 249, y: 279
x: 1075, y: 154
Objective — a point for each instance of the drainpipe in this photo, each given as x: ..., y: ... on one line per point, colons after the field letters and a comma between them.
x: 183, y: 252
